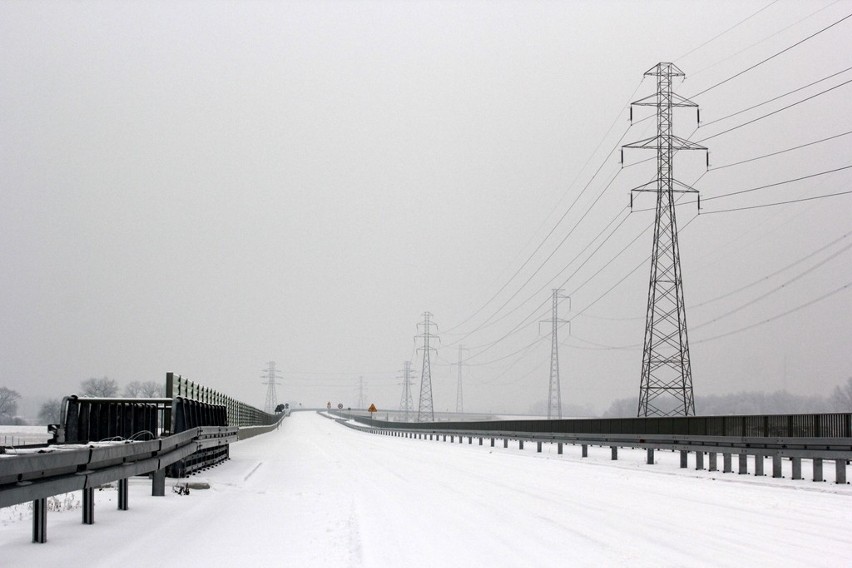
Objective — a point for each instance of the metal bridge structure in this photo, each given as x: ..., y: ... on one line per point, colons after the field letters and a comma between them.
x: 105, y: 440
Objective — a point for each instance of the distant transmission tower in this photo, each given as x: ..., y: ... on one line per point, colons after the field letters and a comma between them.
x: 406, y: 403
x: 271, y: 375
x: 425, y: 412
x: 666, y: 384
x: 459, y: 391
x: 554, y: 395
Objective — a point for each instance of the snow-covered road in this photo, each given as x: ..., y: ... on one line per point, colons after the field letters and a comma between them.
x: 315, y: 493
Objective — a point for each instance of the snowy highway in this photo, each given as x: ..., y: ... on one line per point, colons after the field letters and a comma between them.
x: 315, y: 493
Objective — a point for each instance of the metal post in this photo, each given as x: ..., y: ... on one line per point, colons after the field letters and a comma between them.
x: 797, y: 468
x: 726, y: 463
x: 122, y: 494
x: 492, y: 442
x: 614, y: 450
x: 776, y: 466
x: 559, y: 449
x: 699, y: 460
x: 40, y: 520
x: 89, y: 506
x: 684, y: 457
x: 469, y: 440
x: 840, y: 471
x: 649, y: 459
x: 520, y: 444
x: 758, y: 465
x: 817, y: 469
x: 743, y: 469
x: 538, y: 447
x: 711, y: 466
x: 505, y: 442
x: 158, y: 483
x: 584, y: 450
x: 480, y: 440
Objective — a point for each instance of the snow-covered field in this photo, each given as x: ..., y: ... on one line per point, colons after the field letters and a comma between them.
x: 315, y: 493
x: 21, y: 435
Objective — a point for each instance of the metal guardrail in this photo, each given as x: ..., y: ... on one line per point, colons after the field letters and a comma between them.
x: 837, y: 425
x: 817, y: 437
x: 61, y: 469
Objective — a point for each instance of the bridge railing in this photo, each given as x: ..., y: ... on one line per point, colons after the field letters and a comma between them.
x: 238, y: 413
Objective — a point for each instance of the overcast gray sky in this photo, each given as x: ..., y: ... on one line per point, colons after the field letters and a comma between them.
x: 205, y: 187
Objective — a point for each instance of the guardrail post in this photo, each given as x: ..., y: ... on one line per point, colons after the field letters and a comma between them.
x: 122, y: 494
x: 817, y: 467
x: 743, y: 469
x: 584, y: 450
x: 538, y: 447
x: 614, y: 450
x: 711, y: 465
x: 726, y: 463
x: 559, y: 448
x: 649, y: 458
x: 797, y: 468
x: 492, y: 441
x: 840, y: 471
x: 684, y: 457
x: 520, y: 444
x: 89, y: 506
x: 699, y: 460
x: 469, y: 440
x: 480, y: 440
x: 776, y: 466
x: 758, y: 465
x: 505, y: 442
x: 40, y: 520
x: 158, y: 483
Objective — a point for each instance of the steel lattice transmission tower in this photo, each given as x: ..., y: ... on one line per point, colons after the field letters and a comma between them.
x: 459, y: 391
x: 406, y: 403
x: 666, y: 384
x: 425, y: 411
x: 271, y: 375
x: 554, y: 396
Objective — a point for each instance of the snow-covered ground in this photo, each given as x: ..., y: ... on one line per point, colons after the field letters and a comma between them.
x: 21, y: 435
x: 315, y: 493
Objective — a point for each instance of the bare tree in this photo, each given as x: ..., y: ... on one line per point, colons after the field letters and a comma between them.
x: 841, y: 398
x: 103, y: 387
x: 8, y: 405
x: 147, y: 389
x: 152, y: 389
x: 132, y: 389
x: 49, y: 411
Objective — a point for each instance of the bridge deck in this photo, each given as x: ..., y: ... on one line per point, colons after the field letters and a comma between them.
x: 316, y: 494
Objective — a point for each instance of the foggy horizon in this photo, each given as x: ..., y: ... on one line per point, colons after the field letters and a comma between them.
x: 203, y: 188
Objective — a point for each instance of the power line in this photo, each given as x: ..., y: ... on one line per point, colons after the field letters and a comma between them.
x: 781, y: 151
x: 788, y: 202
x: 776, y: 111
x: 768, y: 276
x: 717, y: 36
x: 786, y: 49
x: 776, y: 184
x: 774, y: 290
x: 570, y: 207
x: 773, y: 99
x: 758, y: 42
x: 773, y: 318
